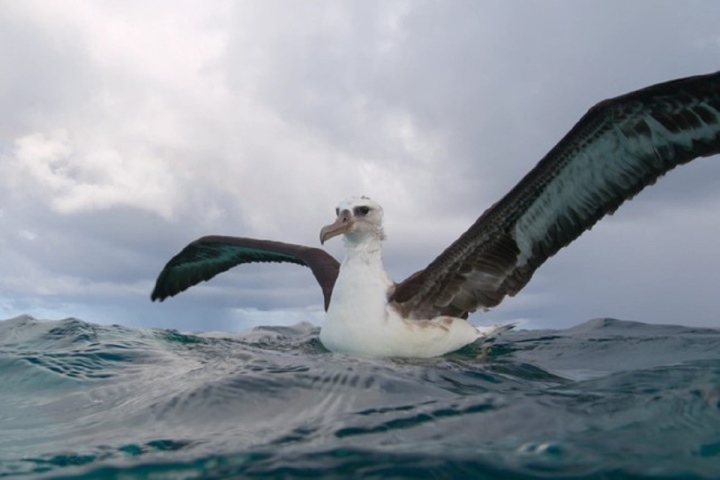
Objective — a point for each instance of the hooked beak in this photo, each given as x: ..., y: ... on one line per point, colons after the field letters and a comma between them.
x: 342, y: 224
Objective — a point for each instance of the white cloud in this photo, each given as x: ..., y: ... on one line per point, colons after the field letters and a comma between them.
x: 72, y: 175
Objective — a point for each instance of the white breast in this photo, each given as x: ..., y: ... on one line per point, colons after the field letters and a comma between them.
x: 360, y: 321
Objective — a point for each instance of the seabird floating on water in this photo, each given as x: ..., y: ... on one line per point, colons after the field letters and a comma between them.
x: 616, y: 149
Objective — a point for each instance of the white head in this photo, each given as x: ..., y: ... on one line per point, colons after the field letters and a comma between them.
x: 357, y: 218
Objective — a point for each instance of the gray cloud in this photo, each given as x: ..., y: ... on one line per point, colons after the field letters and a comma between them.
x: 129, y: 130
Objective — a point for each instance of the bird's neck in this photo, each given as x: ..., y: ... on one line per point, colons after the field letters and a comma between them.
x: 366, y: 249
x: 361, y: 290
x: 363, y: 264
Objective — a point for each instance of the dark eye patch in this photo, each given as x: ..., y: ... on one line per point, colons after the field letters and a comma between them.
x: 359, y: 211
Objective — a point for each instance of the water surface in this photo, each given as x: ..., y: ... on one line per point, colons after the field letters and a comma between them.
x: 606, y: 399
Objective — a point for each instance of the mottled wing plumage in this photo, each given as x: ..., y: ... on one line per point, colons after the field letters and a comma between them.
x: 620, y: 146
x: 208, y: 256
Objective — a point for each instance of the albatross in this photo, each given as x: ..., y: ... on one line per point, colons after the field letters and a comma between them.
x: 616, y: 149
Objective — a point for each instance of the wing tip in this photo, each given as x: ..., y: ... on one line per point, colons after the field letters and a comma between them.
x: 156, y: 296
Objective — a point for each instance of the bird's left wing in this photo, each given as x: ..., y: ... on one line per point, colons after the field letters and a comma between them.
x: 618, y: 148
x: 207, y: 256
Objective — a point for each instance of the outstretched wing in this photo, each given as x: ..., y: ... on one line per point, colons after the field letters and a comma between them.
x: 620, y: 146
x: 207, y: 256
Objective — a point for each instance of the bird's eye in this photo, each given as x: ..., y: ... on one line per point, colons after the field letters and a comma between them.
x: 362, y: 210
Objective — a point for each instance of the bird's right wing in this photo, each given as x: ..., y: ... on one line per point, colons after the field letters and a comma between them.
x: 204, y: 258
x: 618, y: 148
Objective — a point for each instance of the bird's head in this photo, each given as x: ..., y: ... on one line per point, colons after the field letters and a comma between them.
x: 357, y: 218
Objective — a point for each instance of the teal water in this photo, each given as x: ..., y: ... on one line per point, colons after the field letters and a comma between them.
x: 607, y: 399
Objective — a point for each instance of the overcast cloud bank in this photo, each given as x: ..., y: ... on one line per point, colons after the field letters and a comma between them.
x: 130, y: 129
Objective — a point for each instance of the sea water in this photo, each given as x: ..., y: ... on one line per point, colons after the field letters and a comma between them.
x: 607, y: 399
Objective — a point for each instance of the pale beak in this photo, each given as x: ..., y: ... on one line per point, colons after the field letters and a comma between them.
x: 342, y: 224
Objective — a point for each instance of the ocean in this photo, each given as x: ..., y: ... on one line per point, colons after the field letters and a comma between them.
x: 607, y: 399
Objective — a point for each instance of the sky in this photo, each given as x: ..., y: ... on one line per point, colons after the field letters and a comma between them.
x: 129, y: 129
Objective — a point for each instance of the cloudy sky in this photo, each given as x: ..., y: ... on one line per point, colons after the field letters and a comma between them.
x: 130, y: 128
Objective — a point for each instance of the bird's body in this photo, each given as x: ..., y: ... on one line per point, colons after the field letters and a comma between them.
x: 360, y: 320
x: 618, y: 148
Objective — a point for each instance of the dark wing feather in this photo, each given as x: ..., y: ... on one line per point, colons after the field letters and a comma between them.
x: 620, y: 146
x: 207, y: 256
